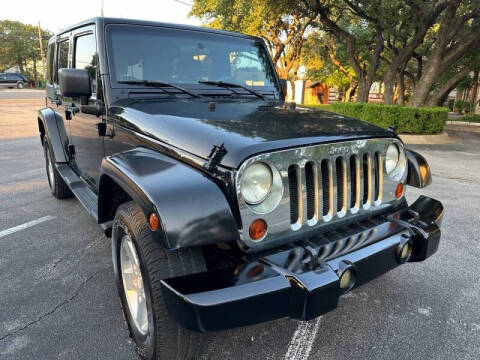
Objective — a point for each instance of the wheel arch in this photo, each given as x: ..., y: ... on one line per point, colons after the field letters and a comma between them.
x: 192, y: 209
x: 50, y: 124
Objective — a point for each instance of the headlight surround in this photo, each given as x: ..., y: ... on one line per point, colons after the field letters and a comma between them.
x: 258, y: 193
x: 256, y: 182
x: 395, y: 162
x: 391, y: 158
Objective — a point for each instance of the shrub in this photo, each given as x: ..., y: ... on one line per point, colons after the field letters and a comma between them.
x: 467, y: 107
x: 407, y: 120
x: 471, y: 118
x: 451, y: 103
x: 459, y: 105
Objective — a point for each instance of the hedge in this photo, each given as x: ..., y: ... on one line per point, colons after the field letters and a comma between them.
x: 407, y: 120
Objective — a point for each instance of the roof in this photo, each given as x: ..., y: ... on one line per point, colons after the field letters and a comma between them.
x: 108, y: 20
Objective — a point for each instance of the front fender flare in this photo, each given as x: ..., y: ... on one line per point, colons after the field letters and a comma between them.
x: 55, y: 130
x: 419, y: 174
x: 191, y: 207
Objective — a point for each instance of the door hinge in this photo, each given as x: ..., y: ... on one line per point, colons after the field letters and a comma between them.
x: 71, y: 149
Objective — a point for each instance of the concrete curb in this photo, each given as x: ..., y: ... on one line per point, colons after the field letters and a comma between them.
x: 450, y: 122
x: 443, y: 138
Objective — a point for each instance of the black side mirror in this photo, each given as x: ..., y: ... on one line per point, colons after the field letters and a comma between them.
x: 283, y: 84
x: 74, y: 83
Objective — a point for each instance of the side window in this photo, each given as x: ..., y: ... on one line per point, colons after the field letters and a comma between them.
x: 85, y: 57
x: 62, y: 57
x: 50, y: 57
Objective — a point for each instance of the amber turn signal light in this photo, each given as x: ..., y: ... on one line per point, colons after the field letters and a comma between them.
x: 154, y: 222
x: 258, y: 229
x: 399, y: 191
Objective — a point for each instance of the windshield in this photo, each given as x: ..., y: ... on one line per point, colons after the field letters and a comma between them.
x: 186, y: 57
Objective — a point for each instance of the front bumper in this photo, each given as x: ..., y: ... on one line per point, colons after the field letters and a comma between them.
x: 297, y: 282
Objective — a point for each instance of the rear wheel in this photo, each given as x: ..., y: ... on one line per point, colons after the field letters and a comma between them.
x: 19, y: 85
x: 57, y: 185
x: 140, y: 264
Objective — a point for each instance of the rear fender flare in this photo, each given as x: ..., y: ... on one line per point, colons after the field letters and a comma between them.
x: 192, y: 209
x: 54, y: 129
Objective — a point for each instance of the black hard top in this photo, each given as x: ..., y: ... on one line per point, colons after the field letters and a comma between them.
x: 108, y: 20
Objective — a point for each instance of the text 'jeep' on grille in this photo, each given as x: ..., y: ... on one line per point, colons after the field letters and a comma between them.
x: 225, y: 206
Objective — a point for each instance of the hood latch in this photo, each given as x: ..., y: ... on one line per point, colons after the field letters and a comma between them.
x: 216, y: 155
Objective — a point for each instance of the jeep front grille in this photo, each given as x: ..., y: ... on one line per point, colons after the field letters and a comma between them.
x: 322, y: 185
x: 332, y: 186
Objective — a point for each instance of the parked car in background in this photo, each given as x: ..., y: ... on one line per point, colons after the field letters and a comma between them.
x: 11, y: 80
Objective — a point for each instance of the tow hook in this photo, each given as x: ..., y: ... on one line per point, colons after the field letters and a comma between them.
x: 413, y: 225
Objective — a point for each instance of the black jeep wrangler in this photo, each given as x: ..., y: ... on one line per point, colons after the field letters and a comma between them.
x: 225, y: 205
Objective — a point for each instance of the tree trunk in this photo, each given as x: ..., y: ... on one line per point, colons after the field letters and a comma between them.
x: 401, y: 88
x: 348, y: 93
x: 389, y: 81
x: 292, y: 86
x: 475, y: 91
x: 363, y: 90
x: 424, y: 85
x: 436, y: 99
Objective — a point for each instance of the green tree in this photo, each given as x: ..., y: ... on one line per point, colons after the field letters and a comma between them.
x: 282, y: 24
x: 328, y: 63
x: 20, y: 46
x: 456, y: 35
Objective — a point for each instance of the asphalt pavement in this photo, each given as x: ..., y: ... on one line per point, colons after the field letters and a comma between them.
x: 21, y: 93
x: 58, y: 298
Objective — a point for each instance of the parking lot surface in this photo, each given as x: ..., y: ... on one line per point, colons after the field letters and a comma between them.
x: 58, y: 298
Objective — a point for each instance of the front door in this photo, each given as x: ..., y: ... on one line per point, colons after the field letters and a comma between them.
x: 85, y: 138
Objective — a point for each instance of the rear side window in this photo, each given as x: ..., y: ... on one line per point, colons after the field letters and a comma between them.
x: 62, y: 57
x: 85, y: 57
x: 50, y: 57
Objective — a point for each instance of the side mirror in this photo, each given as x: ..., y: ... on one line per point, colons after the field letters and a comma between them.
x: 283, y: 84
x: 74, y: 83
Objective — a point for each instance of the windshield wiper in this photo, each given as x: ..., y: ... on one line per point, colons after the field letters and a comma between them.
x: 159, y: 84
x: 232, y: 85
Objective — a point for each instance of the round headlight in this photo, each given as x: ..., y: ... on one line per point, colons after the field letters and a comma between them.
x: 391, y: 158
x: 255, y: 183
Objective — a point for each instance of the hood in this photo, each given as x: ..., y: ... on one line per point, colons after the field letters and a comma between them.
x: 245, y: 127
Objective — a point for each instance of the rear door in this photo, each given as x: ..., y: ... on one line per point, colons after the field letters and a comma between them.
x: 84, y: 132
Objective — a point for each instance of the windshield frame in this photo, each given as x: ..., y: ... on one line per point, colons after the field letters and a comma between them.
x: 275, y: 88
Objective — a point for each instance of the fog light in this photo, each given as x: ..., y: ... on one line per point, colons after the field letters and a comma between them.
x: 258, y: 229
x: 404, y: 250
x: 347, y: 277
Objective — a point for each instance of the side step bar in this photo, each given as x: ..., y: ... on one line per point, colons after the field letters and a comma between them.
x: 82, y: 192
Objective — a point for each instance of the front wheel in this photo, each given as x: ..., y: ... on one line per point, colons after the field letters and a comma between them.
x: 57, y: 185
x: 19, y: 85
x: 140, y: 264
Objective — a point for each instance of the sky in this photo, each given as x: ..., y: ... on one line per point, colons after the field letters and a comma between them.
x: 57, y: 14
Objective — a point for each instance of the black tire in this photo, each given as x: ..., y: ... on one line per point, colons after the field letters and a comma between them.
x: 57, y: 185
x: 165, y: 339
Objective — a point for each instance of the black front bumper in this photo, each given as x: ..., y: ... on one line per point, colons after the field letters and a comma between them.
x: 279, y: 284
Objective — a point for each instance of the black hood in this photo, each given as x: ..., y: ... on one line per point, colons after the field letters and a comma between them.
x: 245, y: 127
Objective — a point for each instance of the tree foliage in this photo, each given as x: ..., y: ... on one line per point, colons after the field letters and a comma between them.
x: 282, y: 24
x: 20, y: 46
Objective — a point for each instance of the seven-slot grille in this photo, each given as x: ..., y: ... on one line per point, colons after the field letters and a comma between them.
x: 333, y: 187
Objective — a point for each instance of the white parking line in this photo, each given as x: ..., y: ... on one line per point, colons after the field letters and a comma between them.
x: 302, y: 340
x: 26, y: 225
